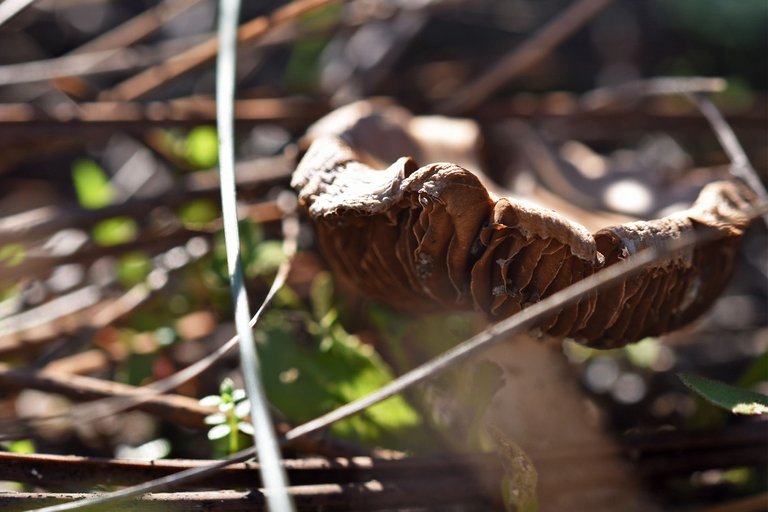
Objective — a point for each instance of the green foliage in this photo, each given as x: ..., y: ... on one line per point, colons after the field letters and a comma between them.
x: 22, y: 446
x: 230, y: 422
x: 202, y: 147
x: 306, y: 376
x: 91, y: 184
x: 267, y: 257
x: 137, y: 369
x: 12, y: 255
x: 133, y: 268
x: 95, y: 191
x: 518, y: 487
x: 165, y: 336
x: 198, y: 212
x: 8, y: 291
x: 726, y: 22
x: 475, y: 391
x: 644, y: 353
x: 261, y: 257
x: 413, y: 340
x: 756, y: 373
x: 736, y: 400
x: 737, y: 97
x: 303, y: 66
x: 114, y: 231
x: 468, y: 391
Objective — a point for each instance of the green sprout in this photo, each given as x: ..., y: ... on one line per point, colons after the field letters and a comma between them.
x: 230, y: 420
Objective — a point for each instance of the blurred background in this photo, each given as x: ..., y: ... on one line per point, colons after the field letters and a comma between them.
x: 111, y: 256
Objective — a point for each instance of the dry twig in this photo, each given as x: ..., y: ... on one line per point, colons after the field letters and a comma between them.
x: 148, y: 81
x: 179, y: 409
x: 526, y: 55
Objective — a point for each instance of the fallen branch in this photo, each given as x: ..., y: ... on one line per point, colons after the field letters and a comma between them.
x: 178, y: 409
x: 372, y: 495
x: 73, y: 472
x: 653, y: 455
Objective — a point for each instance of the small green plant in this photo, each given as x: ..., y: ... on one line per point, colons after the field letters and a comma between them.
x: 229, y: 425
x: 737, y: 400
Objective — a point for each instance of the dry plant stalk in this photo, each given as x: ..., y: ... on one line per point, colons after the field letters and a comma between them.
x: 433, y: 238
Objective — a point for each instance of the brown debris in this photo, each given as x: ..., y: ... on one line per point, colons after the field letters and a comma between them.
x: 433, y: 238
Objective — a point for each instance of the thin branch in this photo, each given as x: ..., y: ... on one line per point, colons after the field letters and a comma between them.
x: 272, y: 473
x: 11, y: 8
x: 547, y: 110
x: 612, y: 97
x: 81, y: 363
x: 66, y: 471
x: 180, y: 112
x: 526, y: 55
x: 137, y: 28
x: 427, y: 491
x: 178, y: 409
x: 740, y: 165
x: 92, y: 63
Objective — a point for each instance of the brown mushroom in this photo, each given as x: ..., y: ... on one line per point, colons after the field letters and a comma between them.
x: 433, y: 238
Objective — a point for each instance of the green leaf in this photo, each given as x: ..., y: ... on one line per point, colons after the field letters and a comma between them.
x: 242, y: 409
x: 226, y: 388
x: 431, y: 334
x: 198, y: 212
x: 117, y: 230
x: 644, y: 353
x: 256, y: 258
x: 219, y: 432
x: 215, y: 419
x: 133, y: 268
x: 246, y: 428
x: 267, y: 258
x: 12, y: 255
x: 478, y: 389
x: 736, y: 400
x: 166, y: 336
x: 756, y: 373
x: 520, y: 476
x: 238, y: 395
x: 202, y: 147
x: 321, y: 295
x: 210, y: 401
x: 91, y: 184
x: 307, y: 376
x: 22, y: 446
x: 303, y: 65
